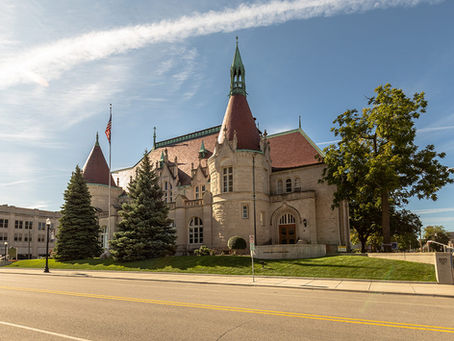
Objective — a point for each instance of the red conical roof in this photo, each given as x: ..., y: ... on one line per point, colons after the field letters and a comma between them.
x: 96, y: 170
x: 238, y: 117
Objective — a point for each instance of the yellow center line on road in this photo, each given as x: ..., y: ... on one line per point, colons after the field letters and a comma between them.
x: 242, y: 310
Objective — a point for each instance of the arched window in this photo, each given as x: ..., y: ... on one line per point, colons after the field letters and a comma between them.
x: 195, y: 231
x: 287, y: 219
x: 279, y: 187
x: 288, y: 185
x: 297, y: 185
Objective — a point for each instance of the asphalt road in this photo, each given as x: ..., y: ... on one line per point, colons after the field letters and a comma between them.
x: 61, y: 308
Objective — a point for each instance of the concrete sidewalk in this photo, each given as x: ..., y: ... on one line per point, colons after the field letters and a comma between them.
x: 384, y: 287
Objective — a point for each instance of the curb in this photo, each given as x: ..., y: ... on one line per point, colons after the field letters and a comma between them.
x: 307, y: 287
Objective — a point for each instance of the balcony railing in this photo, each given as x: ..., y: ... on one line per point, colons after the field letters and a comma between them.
x: 192, y: 203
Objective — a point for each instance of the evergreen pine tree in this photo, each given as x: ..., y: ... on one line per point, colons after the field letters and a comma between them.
x: 78, y: 233
x: 145, y: 230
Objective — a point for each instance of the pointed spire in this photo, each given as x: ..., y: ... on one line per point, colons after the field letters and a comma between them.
x: 238, y: 116
x: 237, y: 74
x: 96, y: 170
x: 154, y: 137
x: 202, y: 150
x: 161, y: 160
x: 299, y: 122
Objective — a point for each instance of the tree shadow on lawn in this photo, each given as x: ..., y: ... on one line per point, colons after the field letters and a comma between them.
x: 181, y: 263
x: 337, y: 266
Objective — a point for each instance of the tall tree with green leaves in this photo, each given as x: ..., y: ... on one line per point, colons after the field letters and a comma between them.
x: 377, y: 157
x: 145, y: 230
x: 78, y: 233
x: 436, y: 233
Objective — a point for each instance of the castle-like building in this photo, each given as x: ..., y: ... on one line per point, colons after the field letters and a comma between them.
x: 233, y: 180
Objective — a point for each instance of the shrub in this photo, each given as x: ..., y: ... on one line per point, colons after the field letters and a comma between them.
x: 236, y: 243
x: 203, y: 251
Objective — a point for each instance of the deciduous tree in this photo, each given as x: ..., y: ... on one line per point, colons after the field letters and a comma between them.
x: 377, y: 157
x: 436, y: 233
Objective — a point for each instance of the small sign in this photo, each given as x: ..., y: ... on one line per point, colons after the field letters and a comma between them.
x: 341, y: 248
x: 251, y: 243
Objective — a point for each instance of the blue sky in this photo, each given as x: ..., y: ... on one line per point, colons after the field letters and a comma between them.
x: 166, y: 64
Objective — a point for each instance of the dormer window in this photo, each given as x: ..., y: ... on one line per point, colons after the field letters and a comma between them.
x: 199, y: 191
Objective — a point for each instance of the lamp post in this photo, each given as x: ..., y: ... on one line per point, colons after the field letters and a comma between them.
x: 46, y: 269
x: 6, y: 250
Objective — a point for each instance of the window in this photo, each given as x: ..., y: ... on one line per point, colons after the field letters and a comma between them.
x: 41, y: 226
x: 18, y: 224
x: 287, y: 219
x: 199, y: 191
x: 18, y: 237
x: 297, y: 185
x: 4, y: 223
x: 279, y: 187
x: 244, y: 211
x: 195, y: 231
x: 197, y: 194
x: 167, y: 191
x: 227, y: 179
x: 4, y: 236
x: 28, y: 225
x: 288, y: 185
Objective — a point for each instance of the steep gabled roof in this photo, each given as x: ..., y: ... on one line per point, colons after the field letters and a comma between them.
x: 96, y: 170
x: 292, y: 149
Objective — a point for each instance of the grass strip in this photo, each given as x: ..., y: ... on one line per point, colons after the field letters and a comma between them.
x: 354, y: 267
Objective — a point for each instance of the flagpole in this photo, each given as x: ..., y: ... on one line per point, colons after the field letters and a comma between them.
x: 110, y: 177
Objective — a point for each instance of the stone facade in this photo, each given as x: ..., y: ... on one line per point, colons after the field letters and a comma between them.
x: 25, y: 230
x: 215, y: 179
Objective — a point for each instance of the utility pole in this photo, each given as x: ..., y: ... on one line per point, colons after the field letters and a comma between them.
x: 253, y: 197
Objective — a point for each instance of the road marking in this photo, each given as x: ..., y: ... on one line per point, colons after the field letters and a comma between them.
x: 42, y: 331
x: 243, y: 310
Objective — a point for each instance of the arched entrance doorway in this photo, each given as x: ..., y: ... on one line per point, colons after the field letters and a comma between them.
x: 287, y: 229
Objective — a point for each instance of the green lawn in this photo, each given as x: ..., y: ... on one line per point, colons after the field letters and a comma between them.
x: 327, y: 267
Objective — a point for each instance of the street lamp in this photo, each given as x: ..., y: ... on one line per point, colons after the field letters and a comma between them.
x: 6, y: 250
x: 46, y: 269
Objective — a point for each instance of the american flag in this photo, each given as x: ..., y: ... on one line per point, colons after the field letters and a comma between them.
x: 109, y: 127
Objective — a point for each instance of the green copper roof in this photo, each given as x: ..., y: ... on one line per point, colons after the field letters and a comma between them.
x: 237, y: 74
x: 187, y: 137
x: 202, y: 148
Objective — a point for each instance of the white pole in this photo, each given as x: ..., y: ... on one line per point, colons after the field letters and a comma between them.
x: 110, y: 176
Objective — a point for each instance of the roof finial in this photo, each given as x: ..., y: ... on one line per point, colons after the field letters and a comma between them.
x: 237, y: 73
x: 299, y: 121
x: 97, y: 139
x: 154, y: 137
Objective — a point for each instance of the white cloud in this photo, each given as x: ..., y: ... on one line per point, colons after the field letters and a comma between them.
x: 40, y: 65
x: 434, y: 210
x: 327, y: 142
x: 434, y: 129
